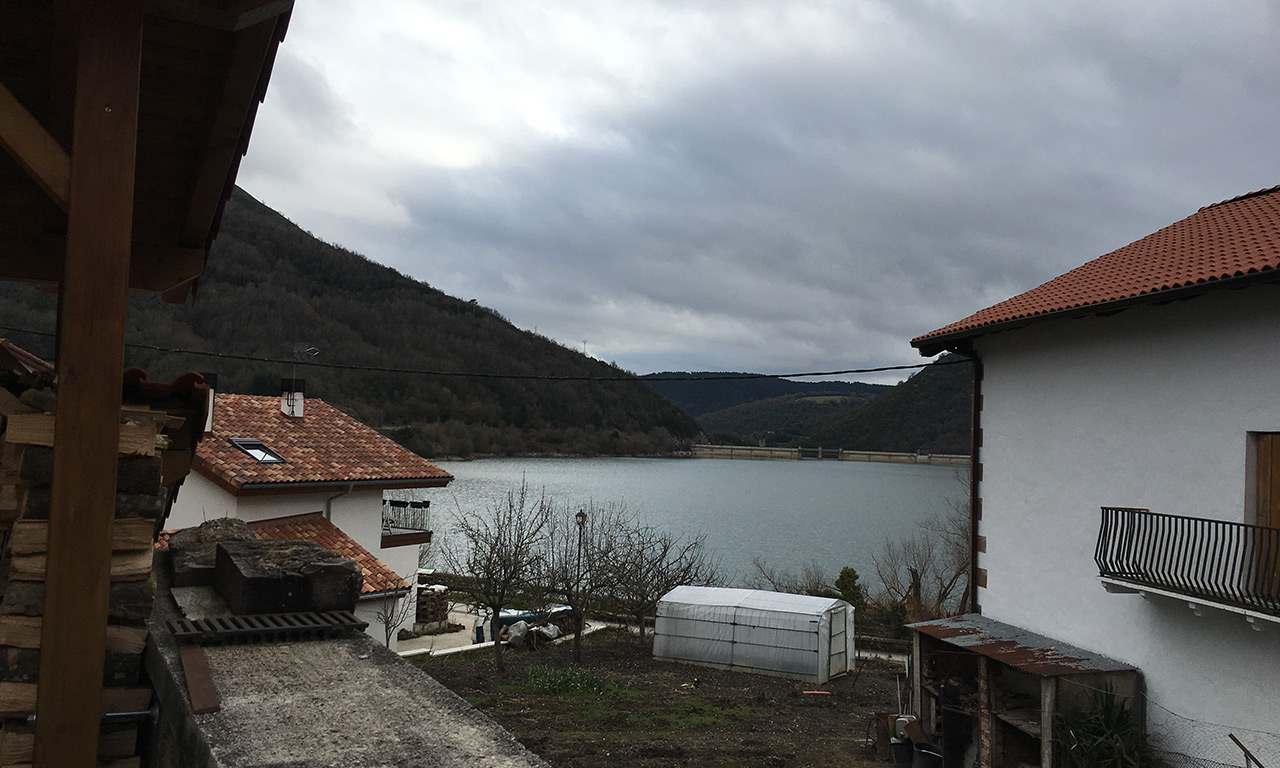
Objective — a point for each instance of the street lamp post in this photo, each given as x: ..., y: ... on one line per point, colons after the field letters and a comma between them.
x: 581, y: 519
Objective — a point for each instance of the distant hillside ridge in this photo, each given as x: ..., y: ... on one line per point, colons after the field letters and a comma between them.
x: 781, y: 421
x: 270, y: 285
x: 931, y: 412
x: 702, y: 397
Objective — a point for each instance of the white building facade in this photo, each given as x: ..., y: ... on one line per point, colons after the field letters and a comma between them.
x: 1157, y: 400
x: 258, y: 462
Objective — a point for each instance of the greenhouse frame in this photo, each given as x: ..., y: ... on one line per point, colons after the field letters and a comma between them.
x: 749, y: 630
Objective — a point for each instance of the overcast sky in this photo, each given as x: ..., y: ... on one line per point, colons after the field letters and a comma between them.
x: 759, y: 186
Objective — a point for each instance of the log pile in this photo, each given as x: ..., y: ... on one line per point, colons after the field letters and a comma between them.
x: 147, y: 470
x: 432, y: 609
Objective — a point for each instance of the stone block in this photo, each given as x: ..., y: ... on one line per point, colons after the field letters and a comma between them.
x: 285, y: 576
x: 194, y: 550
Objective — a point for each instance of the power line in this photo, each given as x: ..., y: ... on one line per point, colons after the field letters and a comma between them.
x: 515, y: 376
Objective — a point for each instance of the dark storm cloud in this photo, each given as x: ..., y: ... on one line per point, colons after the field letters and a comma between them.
x: 815, y: 201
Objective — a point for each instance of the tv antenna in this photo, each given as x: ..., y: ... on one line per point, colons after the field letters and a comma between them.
x: 302, y: 351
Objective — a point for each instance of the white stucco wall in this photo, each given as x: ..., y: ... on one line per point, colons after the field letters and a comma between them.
x: 1148, y: 408
x: 198, y: 500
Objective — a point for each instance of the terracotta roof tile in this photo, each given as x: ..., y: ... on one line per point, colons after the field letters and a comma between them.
x: 378, y: 576
x: 325, y: 445
x: 1234, y: 238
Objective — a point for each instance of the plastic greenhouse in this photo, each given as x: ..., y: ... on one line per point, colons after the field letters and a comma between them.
x: 770, y: 633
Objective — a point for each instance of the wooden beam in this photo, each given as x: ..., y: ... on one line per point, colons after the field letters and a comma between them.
x: 230, y: 15
x: 33, y: 148
x: 91, y: 316
x: 152, y: 267
x: 222, y: 143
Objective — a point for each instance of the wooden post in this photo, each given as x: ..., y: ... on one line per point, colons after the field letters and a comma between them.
x: 1048, y: 710
x: 90, y: 360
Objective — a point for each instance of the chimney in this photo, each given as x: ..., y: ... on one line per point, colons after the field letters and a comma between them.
x: 212, y: 380
x: 292, y: 394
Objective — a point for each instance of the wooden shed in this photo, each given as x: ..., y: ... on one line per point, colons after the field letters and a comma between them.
x: 995, y: 691
x: 123, y: 124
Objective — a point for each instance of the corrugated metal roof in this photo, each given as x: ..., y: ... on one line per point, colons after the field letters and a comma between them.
x: 1018, y: 647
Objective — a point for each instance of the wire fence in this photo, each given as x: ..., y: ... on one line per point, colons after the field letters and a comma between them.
x: 1186, y: 742
x: 1170, y: 734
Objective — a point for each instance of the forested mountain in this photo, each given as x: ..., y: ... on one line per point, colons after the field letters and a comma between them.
x: 929, y: 412
x: 270, y: 285
x: 786, y: 420
x: 700, y: 397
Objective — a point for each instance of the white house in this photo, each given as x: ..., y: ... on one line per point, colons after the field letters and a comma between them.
x: 295, y: 467
x: 1146, y: 380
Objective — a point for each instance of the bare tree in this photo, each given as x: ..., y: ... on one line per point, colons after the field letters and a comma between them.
x: 393, y: 611
x: 811, y: 580
x: 577, y: 563
x: 928, y: 570
x: 648, y: 562
x: 500, y: 547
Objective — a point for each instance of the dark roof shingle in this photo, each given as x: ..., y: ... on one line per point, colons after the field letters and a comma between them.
x: 1232, y: 239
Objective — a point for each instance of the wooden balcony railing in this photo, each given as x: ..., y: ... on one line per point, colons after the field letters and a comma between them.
x: 1228, y: 563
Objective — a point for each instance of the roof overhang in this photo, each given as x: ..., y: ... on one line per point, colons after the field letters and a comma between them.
x: 961, y: 341
x: 204, y: 69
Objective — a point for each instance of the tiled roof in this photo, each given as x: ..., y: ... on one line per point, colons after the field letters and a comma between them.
x: 1233, y: 239
x: 324, y: 445
x: 378, y: 576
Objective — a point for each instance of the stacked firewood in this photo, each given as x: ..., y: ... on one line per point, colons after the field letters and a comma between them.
x: 432, y: 609
x: 28, y: 407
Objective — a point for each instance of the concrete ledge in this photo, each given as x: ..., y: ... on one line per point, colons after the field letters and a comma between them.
x: 338, y: 703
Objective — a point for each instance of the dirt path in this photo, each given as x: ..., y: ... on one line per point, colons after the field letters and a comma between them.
x: 621, y: 707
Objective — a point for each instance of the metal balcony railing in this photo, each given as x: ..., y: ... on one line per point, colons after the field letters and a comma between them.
x: 1228, y: 563
x: 404, y: 517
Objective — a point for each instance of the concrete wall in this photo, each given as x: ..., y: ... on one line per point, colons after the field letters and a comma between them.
x: 1148, y: 408
x: 755, y: 452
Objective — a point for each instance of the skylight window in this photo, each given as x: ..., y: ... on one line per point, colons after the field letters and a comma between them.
x: 257, y: 450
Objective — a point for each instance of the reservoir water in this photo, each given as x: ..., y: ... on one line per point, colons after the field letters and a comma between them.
x: 834, y: 513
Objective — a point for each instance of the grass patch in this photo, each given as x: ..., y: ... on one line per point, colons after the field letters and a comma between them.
x: 562, y: 680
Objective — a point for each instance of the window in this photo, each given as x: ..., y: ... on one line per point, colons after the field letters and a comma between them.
x: 257, y: 450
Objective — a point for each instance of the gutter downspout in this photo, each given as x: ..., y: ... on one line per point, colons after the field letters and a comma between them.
x: 328, y: 509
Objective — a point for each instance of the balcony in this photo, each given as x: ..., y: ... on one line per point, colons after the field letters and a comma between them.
x: 1204, y: 563
x: 405, y: 523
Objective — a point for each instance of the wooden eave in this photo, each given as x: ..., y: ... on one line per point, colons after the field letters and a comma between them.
x: 205, y: 66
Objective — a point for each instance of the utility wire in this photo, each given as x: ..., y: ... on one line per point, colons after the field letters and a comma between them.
x: 517, y: 376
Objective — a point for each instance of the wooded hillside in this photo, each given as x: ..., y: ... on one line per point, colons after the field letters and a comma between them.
x: 270, y: 285
x: 929, y: 412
